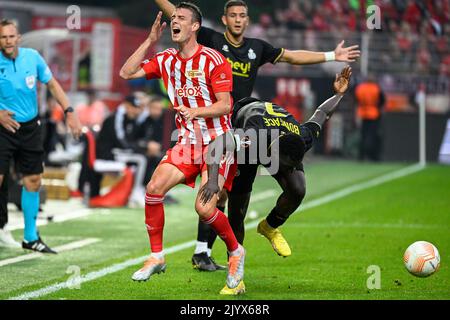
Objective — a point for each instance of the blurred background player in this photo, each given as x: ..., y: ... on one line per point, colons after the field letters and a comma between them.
x: 370, y: 100
x: 200, y: 105
x: 120, y: 132
x: 21, y: 133
x: 152, y: 141
x: 93, y: 112
x: 288, y: 147
x: 246, y: 56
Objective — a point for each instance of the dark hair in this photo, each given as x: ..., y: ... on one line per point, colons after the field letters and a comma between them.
x: 133, y: 100
x: 293, y: 146
x: 233, y: 3
x: 196, y: 13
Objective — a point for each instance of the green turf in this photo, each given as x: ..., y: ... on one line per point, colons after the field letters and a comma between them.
x: 333, y: 245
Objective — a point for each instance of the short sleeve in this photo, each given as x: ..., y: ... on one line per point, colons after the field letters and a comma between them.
x: 44, y: 74
x: 269, y: 53
x: 222, y: 78
x: 151, y: 68
x: 205, y: 37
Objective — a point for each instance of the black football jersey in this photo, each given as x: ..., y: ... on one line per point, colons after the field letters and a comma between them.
x: 244, y: 59
x: 253, y: 113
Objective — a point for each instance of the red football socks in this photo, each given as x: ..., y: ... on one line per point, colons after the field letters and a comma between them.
x: 219, y: 222
x: 154, y: 220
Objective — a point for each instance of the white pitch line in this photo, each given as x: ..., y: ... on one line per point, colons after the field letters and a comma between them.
x: 75, y: 214
x: 263, y: 195
x: 62, y: 248
x: 97, y: 274
x: 310, y: 204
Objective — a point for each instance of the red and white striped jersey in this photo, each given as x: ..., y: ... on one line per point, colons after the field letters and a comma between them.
x: 193, y: 82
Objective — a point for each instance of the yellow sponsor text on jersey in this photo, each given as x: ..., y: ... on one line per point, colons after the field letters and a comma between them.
x: 240, y: 68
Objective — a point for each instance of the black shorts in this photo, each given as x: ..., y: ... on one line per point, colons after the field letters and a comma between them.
x: 25, y: 147
x: 245, y: 176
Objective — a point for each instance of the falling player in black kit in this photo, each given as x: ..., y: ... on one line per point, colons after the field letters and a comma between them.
x: 246, y: 56
x: 294, y: 140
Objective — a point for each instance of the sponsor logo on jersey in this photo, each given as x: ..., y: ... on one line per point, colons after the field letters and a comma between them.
x: 186, y: 91
x: 225, y: 48
x: 195, y: 74
x: 251, y: 54
x: 240, y: 68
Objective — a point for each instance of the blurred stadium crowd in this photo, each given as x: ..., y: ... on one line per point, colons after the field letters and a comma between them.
x: 413, y: 35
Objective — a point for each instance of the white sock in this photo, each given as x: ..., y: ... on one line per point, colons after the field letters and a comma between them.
x: 201, y: 247
x: 208, y: 251
x: 158, y: 255
x: 236, y: 252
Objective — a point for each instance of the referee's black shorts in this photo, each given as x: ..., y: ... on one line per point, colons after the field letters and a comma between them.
x: 25, y: 146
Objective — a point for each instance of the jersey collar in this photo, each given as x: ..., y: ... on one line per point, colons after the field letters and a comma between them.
x: 232, y: 43
x: 200, y: 47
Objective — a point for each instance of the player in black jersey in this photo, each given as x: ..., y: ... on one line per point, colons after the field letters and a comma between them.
x: 246, y: 56
x: 287, y: 145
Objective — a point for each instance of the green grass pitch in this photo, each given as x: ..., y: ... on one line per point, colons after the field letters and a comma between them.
x: 333, y: 244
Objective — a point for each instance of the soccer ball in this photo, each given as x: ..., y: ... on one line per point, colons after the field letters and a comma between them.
x: 422, y: 259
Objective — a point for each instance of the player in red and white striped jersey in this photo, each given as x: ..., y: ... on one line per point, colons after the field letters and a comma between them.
x: 193, y: 83
x: 199, y: 81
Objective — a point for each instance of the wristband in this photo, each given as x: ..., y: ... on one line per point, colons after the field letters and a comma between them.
x: 69, y: 109
x: 330, y: 56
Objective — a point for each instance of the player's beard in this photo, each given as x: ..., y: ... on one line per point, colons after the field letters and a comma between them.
x: 236, y: 34
x: 9, y: 52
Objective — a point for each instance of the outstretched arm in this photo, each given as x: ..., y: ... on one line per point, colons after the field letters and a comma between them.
x: 223, y: 144
x: 132, y: 67
x: 348, y: 54
x: 166, y: 7
x: 326, y: 109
